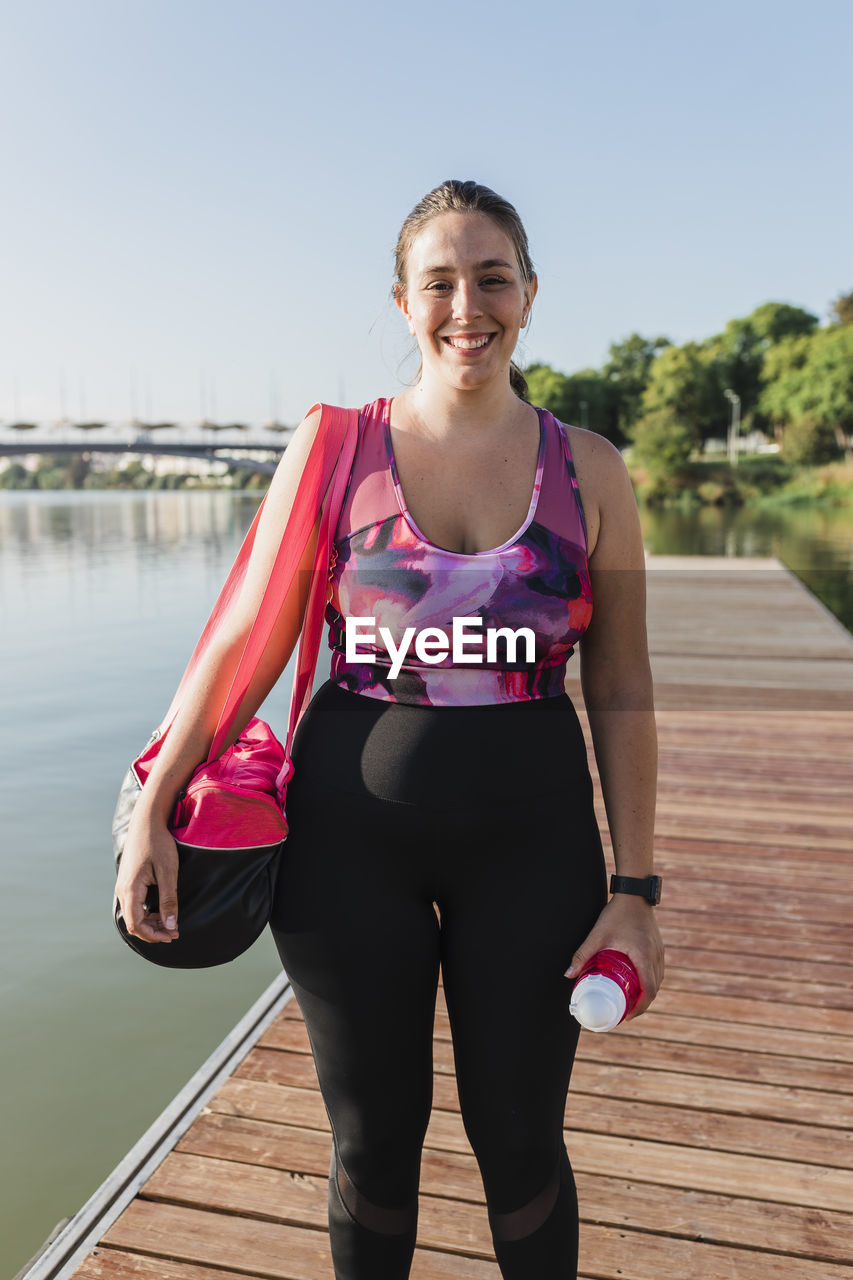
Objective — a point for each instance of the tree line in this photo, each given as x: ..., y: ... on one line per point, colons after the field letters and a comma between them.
x: 793, y: 376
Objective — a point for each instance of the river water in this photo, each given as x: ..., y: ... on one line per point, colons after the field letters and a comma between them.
x: 102, y: 596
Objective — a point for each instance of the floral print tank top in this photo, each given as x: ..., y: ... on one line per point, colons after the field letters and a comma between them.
x: 518, y: 609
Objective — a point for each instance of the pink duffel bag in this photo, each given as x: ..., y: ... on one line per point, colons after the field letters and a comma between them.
x: 229, y: 822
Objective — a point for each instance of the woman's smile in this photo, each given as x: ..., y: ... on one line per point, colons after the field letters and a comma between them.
x: 468, y: 343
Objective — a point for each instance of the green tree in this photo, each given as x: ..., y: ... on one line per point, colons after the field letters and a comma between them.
x: 15, y: 476
x: 809, y: 381
x: 842, y: 309
x: 549, y: 389
x: 781, y: 376
x: 737, y: 355
x: 663, y: 443
x: 627, y: 370
x: 735, y: 359
x: 827, y: 388
x: 79, y: 467
x: 808, y: 442
x: 585, y: 398
x: 773, y: 321
x: 685, y: 383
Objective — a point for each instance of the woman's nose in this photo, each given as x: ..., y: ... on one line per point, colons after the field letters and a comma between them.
x: 466, y: 305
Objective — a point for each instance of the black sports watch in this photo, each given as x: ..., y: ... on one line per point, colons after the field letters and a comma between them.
x: 647, y: 887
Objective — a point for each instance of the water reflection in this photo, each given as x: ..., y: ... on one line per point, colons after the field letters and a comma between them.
x: 101, y: 598
x: 816, y: 543
x: 90, y: 522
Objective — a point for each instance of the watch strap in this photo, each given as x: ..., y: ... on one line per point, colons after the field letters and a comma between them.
x: 647, y: 887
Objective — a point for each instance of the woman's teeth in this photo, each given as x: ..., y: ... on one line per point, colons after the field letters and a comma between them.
x: 469, y: 344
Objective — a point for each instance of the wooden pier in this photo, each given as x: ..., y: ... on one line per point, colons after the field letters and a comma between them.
x: 712, y: 1139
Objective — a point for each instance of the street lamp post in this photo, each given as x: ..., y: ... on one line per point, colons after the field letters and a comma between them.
x: 734, y: 424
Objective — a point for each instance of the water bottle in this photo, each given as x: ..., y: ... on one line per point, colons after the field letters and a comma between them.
x: 606, y: 989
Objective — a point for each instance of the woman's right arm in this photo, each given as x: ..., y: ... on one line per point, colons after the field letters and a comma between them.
x: 150, y: 855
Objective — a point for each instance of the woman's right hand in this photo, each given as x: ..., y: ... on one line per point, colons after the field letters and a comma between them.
x: 149, y: 857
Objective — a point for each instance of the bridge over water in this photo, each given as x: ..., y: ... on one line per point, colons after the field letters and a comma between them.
x: 239, y: 448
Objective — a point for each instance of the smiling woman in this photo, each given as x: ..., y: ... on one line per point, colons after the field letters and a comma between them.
x: 514, y: 267
x: 441, y: 812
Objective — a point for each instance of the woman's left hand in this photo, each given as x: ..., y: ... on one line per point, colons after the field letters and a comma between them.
x: 627, y: 924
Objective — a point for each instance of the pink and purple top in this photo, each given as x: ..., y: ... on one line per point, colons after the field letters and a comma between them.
x: 386, y: 570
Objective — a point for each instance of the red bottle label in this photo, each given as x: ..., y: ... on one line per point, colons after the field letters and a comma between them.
x: 619, y: 967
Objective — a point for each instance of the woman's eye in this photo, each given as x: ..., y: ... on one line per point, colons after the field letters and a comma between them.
x: 442, y: 286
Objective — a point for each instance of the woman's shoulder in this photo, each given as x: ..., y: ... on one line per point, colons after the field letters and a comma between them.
x: 593, y: 451
x: 601, y: 473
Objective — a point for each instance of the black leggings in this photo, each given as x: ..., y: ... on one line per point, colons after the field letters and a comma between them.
x: 486, y: 813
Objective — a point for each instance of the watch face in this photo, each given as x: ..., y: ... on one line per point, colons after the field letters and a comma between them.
x: 654, y: 890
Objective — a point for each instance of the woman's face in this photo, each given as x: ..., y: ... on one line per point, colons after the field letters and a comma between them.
x: 465, y: 299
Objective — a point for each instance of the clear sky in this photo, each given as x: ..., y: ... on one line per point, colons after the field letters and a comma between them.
x: 199, y: 198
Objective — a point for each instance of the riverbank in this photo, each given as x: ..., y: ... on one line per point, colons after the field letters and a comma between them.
x: 763, y: 479
x: 81, y: 471
x: 759, y: 479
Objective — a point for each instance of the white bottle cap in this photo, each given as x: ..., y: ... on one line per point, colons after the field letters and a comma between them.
x: 598, y: 1002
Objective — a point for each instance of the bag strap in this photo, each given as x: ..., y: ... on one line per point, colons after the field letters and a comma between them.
x: 318, y: 596
x: 321, y: 492
x: 337, y: 435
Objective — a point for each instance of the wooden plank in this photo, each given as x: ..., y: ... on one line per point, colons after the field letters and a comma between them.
x: 726, y: 1173
x: 689, y: 693
x: 712, y: 1130
x: 805, y: 889
x: 677, y: 1035
x: 739, y: 771
x: 278, y: 1066
x: 674, y: 1017
x: 688, y: 773
x: 275, y: 1250
x: 795, y: 995
x: 787, y: 865
x: 826, y: 1151
x: 280, y: 1195
x: 833, y: 1026
x: 717, y: 1219
x: 697, y: 729
x: 116, y: 1264
x: 596, y: 1078
x: 688, y: 818
x: 284, y: 1252
x: 684, y: 1029
x: 718, y: 951
x: 732, y: 673
x: 752, y: 812
x: 700, y: 1126
x: 639, y: 1050
x: 827, y: 1079
x: 760, y: 931
x: 635, y: 1255
x: 831, y: 1029
x: 307, y: 1151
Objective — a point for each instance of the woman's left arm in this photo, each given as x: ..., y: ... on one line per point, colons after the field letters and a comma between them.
x: 617, y: 688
